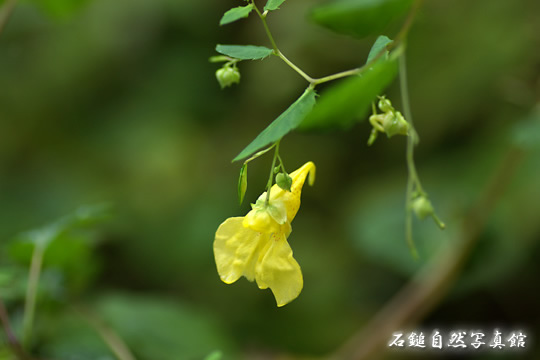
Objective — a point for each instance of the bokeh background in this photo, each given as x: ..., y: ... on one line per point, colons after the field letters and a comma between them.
x: 116, y: 102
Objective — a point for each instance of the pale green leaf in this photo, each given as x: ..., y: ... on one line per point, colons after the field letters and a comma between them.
x: 273, y: 5
x: 236, y: 13
x: 244, y: 52
x: 286, y: 122
x: 380, y: 44
x: 359, y: 18
x: 350, y: 99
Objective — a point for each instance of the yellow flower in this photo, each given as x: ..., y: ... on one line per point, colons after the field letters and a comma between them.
x: 255, y: 246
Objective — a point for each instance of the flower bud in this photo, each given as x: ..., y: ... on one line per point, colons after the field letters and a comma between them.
x: 422, y: 207
x: 227, y: 75
x: 395, y: 124
x: 385, y: 105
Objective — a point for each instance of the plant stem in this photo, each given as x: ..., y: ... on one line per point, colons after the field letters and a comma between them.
x: 266, y: 28
x: 31, y: 294
x: 109, y: 336
x: 412, y: 180
x: 11, y: 339
x: 271, y: 178
x: 295, y: 68
x: 5, y: 12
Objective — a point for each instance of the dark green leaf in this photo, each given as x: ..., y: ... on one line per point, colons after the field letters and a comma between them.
x: 273, y: 4
x: 350, y: 99
x: 359, y: 18
x: 284, y: 181
x: 244, y: 52
x: 380, y: 44
x: 286, y: 122
x: 242, y: 183
x: 236, y: 13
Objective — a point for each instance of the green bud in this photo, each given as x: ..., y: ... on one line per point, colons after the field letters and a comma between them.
x: 395, y: 124
x: 227, y: 75
x: 284, y: 181
x: 242, y: 183
x: 422, y: 207
x: 385, y: 105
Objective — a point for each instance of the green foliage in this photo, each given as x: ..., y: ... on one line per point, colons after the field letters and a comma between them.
x: 273, y: 4
x: 381, y: 43
x: 157, y: 328
x: 235, y: 14
x: 244, y: 52
x: 286, y: 122
x: 359, y: 18
x: 242, y: 183
x: 350, y: 99
x: 61, y: 8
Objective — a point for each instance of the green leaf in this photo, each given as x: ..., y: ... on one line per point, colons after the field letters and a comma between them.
x: 350, y: 99
x: 284, y: 181
x: 242, y: 183
x: 236, y: 13
x: 359, y: 18
x: 273, y: 5
x: 244, y: 52
x: 380, y: 44
x: 286, y: 122
x: 60, y: 8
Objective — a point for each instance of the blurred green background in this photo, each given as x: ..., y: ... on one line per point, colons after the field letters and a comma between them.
x: 116, y: 102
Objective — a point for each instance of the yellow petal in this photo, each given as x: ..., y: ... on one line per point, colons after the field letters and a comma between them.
x: 278, y: 270
x: 292, y: 199
x: 236, y: 250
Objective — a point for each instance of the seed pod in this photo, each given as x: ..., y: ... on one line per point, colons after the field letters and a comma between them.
x: 227, y: 75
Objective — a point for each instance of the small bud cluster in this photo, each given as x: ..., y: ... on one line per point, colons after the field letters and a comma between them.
x: 390, y: 122
x: 228, y: 75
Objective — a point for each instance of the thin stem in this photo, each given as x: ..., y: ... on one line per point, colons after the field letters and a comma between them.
x: 12, y: 341
x: 31, y: 294
x: 271, y: 177
x: 5, y: 13
x: 266, y: 28
x: 412, y: 180
x: 109, y: 336
x: 295, y: 68
x: 262, y: 152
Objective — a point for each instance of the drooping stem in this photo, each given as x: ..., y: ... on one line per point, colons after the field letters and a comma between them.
x: 31, y: 294
x: 271, y: 177
x: 412, y: 180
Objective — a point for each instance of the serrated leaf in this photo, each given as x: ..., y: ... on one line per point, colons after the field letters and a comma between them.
x: 273, y: 5
x: 286, y: 122
x: 242, y: 183
x: 359, y: 18
x: 350, y: 99
x: 244, y: 52
x: 284, y: 181
x: 236, y: 13
x: 380, y: 44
